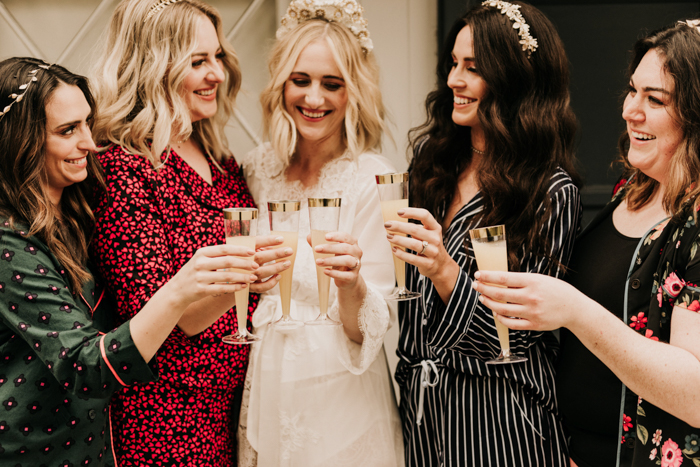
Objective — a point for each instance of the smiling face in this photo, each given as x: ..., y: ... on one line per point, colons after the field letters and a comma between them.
x: 466, y: 83
x: 653, y: 129
x: 316, y: 97
x: 201, y: 84
x: 68, y: 139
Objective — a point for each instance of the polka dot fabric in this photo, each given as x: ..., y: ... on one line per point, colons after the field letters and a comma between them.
x: 148, y: 225
x: 55, y: 385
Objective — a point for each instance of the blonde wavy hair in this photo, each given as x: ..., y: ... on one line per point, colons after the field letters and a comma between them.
x: 364, y: 116
x: 139, y: 77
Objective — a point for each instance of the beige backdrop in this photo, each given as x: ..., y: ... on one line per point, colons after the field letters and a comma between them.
x: 404, y: 34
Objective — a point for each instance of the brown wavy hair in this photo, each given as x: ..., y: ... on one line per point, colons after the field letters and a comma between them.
x: 678, y: 47
x: 65, y: 229
x: 528, y: 125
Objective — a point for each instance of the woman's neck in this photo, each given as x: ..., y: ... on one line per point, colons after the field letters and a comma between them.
x: 310, y: 157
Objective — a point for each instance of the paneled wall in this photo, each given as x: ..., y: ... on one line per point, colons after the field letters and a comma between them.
x: 404, y: 34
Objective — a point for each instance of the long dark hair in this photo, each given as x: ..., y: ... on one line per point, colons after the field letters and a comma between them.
x: 527, y: 121
x: 23, y: 178
x: 678, y: 48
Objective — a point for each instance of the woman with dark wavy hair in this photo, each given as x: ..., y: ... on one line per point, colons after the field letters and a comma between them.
x: 497, y: 148
x: 62, y: 359
x: 630, y: 310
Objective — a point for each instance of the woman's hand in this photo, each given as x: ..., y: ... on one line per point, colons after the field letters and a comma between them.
x: 269, y: 255
x: 527, y: 301
x: 344, y: 266
x: 209, y: 272
x: 431, y: 258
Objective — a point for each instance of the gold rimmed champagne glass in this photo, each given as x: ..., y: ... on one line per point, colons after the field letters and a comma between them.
x: 324, y: 217
x: 393, y: 195
x: 491, y: 254
x: 241, y: 227
x: 284, y: 222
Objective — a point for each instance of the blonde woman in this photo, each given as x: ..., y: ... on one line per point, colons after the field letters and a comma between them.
x: 322, y: 395
x: 166, y: 85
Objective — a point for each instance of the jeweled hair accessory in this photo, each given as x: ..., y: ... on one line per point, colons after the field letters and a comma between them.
x: 693, y: 23
x: 25, y: 87
x: 528, y: 43
x: 157, y: 7
x: 346, y: 12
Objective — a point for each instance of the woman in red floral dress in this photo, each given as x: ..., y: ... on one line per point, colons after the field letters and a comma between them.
x: 165, y: 87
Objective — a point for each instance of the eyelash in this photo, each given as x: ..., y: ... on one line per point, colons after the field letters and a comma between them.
x: 302, y: 83
x: 198, y: 63
x: 631, y: 90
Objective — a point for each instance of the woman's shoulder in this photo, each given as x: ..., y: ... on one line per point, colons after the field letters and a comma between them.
x: 116, y: 158
x: 261, y: 162
x: 561, y: 181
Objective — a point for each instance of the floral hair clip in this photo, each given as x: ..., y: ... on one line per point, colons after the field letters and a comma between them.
x: 346, y: 12
x: 157, y: 7
x: 528, y: 43
x: 693, y: 23
x: 25, y: 87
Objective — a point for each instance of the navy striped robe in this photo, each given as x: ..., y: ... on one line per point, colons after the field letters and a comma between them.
x: 478, y: 414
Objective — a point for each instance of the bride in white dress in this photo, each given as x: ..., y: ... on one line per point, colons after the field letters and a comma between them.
x: 322, y: 395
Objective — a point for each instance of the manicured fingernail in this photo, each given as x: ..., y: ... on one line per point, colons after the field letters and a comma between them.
x: 288, y: 251
x: 319, y: 262
x: 287, y: 263
x: 387, y: 225
x: 400, y: 212
x: 250, y: 252
x: 389, y: 236
x: 394, y: 249
x: 279, y: 239
x: 474, y: 285
x: 477, y: 274
x: 253, y: 278
x: 329, y: 236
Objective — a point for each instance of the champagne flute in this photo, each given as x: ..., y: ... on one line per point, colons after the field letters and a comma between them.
x: 241, y: 226
x: 284, y: 222
x: 324, y: 217
x: 491, y: 254
x: 393, y: 195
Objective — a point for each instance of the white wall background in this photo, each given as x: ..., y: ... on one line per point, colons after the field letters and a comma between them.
x: 404, y: 34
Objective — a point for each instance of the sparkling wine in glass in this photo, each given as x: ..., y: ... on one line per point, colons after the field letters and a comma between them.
x: 393, y: 195
x: 324, y: 217
x: 284, y: 222
x: 241, y: 227
x: 491, y: 254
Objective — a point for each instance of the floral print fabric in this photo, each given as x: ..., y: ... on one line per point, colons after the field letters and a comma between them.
x: 670, y: 253
x: 58, y: 368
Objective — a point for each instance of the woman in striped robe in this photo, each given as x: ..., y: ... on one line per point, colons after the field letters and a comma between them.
x: 497, y: 148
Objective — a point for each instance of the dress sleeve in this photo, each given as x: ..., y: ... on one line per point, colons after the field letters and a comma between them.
x: 467, y: 326
x: 130, y: 247
x: 375, y: 316
x: 37, y: 306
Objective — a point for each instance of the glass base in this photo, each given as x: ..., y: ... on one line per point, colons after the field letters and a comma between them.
x: 402, y: 294
x: 505, y: 358
x: 323, y: 320
x: 287, y: 324
x: 240, y: 339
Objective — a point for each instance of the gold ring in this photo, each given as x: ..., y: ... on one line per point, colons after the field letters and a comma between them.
x: 357, y: 265
x: 425, y: 245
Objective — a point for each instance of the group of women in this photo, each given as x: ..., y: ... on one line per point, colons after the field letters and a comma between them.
x: 126, y: 177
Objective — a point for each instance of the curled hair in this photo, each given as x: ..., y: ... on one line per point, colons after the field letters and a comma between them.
x: 364, y: 114
x: 139, y: 78
x: 527, y: 121
x: 678, y: 48
x: 65, y: 229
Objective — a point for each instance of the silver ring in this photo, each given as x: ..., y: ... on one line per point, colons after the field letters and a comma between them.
x: 425, y: 245
x: 357, y: 265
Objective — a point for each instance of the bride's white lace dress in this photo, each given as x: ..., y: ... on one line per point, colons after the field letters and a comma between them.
x: 314, y: 397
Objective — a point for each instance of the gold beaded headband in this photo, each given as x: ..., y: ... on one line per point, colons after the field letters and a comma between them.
x: 528, y: 43
x: 346, y: 12
x: 158, y: 6
x: 25, y: 87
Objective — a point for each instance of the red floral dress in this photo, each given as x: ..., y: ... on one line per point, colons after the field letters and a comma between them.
x: 148, y: 225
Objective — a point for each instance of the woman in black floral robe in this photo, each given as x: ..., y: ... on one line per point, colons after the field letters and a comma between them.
x: 650, y: 338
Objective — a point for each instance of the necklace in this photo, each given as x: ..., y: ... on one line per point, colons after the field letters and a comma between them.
x: 481, y: 153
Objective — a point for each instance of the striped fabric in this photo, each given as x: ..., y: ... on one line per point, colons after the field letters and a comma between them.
x: 476, y: 414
